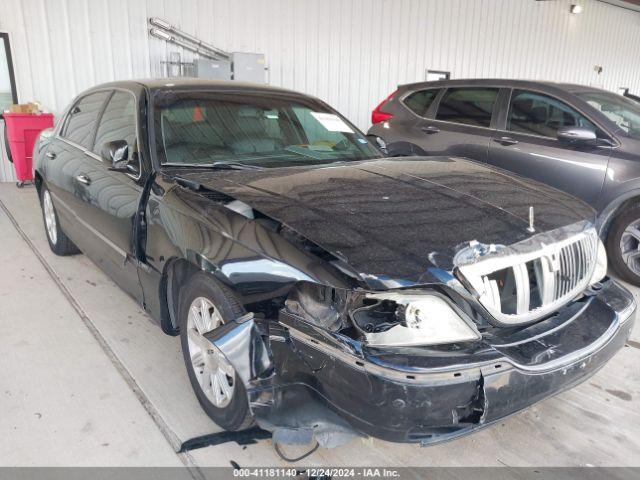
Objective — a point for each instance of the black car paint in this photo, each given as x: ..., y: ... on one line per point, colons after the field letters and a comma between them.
x: 404, y: 216
x: 399, y: 229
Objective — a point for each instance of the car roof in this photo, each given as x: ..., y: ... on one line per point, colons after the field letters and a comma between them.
x: 185, y: 83
x: 504, y: 82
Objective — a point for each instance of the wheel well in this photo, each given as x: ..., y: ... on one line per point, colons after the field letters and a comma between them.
x: 37, y: 179
x: 176, y: 273
x: 629, y: 203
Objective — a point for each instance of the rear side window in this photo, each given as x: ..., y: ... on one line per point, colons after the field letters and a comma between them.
x: 419, y: 102
x: 118, y: 122
x: 541, y: 115
x: 81, y: 120
x: 469, y: 106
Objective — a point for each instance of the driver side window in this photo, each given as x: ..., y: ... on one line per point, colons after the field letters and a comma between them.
x: 541, y: 115
x: 118, y: 122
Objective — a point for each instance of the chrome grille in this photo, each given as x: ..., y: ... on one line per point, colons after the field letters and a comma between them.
x: 524, y: 282
x: 574, y: 262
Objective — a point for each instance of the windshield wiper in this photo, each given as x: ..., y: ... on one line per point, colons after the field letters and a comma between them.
x: 233, y: 166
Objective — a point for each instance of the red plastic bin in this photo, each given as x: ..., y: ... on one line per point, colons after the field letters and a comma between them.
x: 22, y: 131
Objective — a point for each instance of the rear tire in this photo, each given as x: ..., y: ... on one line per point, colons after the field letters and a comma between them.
x: 623, y: 245
x: 59, y: 243
x: 204, y: 305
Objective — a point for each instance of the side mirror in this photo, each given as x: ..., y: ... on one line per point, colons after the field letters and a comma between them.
x: 404, y: 149
x: 576, y: 135
x: 118, y: 152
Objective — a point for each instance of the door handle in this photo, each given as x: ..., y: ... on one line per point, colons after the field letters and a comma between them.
x: 506, y: 140
x: 430, y: 129
x: 50, y: 155
x: 83, y: 179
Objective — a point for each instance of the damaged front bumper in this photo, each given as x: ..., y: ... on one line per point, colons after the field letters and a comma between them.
x: 300, y: 378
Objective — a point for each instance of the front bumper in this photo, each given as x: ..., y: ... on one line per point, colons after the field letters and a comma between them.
x: 430, y: 396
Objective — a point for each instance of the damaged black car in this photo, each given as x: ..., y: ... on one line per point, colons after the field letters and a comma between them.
x: 320, y: 289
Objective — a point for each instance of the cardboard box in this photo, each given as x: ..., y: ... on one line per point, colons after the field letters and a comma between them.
x: 25, y: 108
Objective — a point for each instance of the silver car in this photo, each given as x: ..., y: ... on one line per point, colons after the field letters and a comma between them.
x: 579, y: 139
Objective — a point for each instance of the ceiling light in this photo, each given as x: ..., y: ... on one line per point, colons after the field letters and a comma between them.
x: 576, y: 8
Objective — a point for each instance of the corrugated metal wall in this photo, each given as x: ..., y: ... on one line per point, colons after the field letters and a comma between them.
x: 350, y: 53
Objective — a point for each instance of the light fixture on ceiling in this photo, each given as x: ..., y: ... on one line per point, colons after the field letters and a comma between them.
x: 575, y: 8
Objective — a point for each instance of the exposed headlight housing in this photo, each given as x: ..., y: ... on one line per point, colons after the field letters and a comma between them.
x: 398, y: 319
x: 600, y: 270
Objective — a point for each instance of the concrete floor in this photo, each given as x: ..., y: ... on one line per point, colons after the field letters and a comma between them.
x: 86, y: 379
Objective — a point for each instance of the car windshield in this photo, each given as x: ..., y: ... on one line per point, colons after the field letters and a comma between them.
x: 210, y: 129
x: 622, y: 111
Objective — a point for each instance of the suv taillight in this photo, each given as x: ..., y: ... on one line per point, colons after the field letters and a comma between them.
x: 379, y: 115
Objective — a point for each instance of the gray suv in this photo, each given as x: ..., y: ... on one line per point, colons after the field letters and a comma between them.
x: 579, y: 139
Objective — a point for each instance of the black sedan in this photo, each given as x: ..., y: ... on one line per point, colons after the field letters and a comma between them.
x: 318, y: 288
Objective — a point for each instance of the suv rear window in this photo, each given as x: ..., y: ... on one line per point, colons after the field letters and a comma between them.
x: 420, y: 101
x: 469, y: 106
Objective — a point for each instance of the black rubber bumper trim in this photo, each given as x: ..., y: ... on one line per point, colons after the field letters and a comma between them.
x: 249, y: 436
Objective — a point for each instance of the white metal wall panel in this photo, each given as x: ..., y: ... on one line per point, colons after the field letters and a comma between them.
x: 350, y: 53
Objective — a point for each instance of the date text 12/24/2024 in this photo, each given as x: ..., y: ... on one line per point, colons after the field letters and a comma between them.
x: 319, y: 472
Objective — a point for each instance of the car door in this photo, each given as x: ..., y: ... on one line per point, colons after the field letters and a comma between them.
x: 112, y: 197
x: 460, y: 124
x: 527, y: 144
x: 65, y: 163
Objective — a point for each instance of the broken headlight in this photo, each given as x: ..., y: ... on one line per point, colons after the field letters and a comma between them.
x: 412, y: 319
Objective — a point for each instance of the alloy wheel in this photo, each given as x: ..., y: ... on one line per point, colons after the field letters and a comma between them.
x: 214, y: 373
x: 49, y: 217
x: 630, y: 246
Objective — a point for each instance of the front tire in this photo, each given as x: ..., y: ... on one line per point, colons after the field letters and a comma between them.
x: 623, y: 245
x: 59, y: 243
x: 204, y: 305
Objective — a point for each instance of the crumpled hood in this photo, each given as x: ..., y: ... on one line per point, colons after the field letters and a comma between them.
x: 397, y: 219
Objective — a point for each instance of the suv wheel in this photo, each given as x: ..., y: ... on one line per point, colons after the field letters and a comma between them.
x: 206, y: 304
x: 623, y: 245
